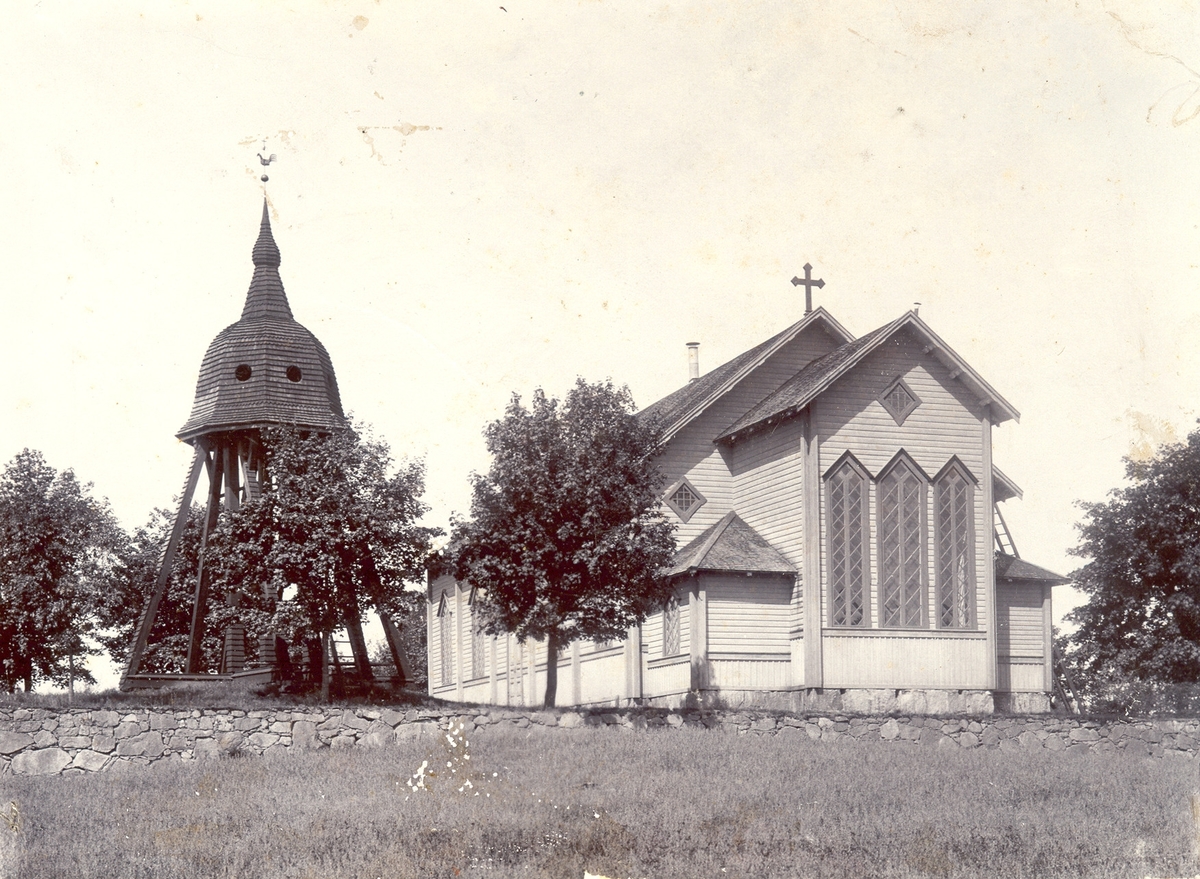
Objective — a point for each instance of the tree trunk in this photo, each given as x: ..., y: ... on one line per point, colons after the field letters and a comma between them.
x: 552, y: 645
x: 326, y: 646
x: 396, y: 646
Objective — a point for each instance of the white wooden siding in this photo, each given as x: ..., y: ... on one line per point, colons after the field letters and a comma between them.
x: 893, y: 660
x: 691, y: 452
x: 750, y: 674
x: 602, y: 675
x: 1020, y: 637
x: 664, y: 678
x: 748, y: 614
x: 768, y: 495
x: 948, y: 423
x: 1020, y: 677
x: 652, y: 629
x: 1020, y: 629
x: 442, y: 586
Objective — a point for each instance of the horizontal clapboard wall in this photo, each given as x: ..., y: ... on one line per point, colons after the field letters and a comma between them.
x: 691, y: 452
x: 1020, y: 629
x: 948, y: 423
x: 748, y: 614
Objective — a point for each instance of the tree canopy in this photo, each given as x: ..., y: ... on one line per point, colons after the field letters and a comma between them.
x: 566, y: 539
x: 61, y: 550
x: 1142, y: 617
x: 333, y: 534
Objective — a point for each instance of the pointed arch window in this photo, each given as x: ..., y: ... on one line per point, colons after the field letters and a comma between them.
x: 848, y: 546
x: 478, y: 638
x: 671, y: 626
x: 954, y: 540
x: 901, y: 497
x: 446, y: 641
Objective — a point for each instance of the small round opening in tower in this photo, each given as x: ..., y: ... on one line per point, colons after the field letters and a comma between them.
x: 294, y: 374
x: 243, y: 372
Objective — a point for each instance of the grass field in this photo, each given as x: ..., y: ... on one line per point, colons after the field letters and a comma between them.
x: 685, y: 803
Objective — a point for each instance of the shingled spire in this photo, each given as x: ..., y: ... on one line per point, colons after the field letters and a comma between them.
x: 266, y: 297
x: 265, y: 369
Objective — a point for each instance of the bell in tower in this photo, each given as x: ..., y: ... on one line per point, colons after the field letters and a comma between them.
x: 264, y: 370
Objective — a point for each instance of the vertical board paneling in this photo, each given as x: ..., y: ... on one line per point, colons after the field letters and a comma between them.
x: 749, y: 674
x: 664, y: 680
x: 1020, y: 677
x: 603, y: 678
x: 891, y: 660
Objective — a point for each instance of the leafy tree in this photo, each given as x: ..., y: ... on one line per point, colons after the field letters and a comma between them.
x: 566, y: 538
x: 1142, y: 617
x: 119, y: 607
x: 60, y: 549
x: 332, y: 535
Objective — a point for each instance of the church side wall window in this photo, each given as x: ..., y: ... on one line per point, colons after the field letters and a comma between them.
x: 901, y: 492
x: 446, y: 636
x: 671, y: 626
x: 478, y: 640
x: 848, y: 536
x: 954, y: 539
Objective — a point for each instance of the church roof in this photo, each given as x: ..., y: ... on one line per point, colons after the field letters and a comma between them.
x: 675, y: 410
x: 265, y: 369
x: 730, y: 545
x: 1003, y: 488
x: 1009, y: 567
x: 815, y: 378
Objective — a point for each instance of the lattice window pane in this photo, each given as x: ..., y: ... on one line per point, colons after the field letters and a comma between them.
x: 899, y: 401
x: 847, y: 535
x: 901, y: 542
x: 478, y: 650
x: 684, y: 497
x: 446, y: 631
x: 671, y: 627
x: 954, y: 503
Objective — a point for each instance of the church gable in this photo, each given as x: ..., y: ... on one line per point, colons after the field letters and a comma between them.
x: 694, y: 415
x: 944, y: 419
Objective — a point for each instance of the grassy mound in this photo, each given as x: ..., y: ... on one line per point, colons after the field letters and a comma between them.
x: 685, y: 803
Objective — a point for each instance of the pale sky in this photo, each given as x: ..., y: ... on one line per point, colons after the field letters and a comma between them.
x: 476, y: 199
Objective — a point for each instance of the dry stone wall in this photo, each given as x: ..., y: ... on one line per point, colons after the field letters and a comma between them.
x: 39, y: 741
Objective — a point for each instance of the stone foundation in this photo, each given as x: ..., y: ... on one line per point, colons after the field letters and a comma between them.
x: 882, y: 701
x: 38, y: 741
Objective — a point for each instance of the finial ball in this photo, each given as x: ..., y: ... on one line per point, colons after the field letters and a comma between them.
x: 264, y: 178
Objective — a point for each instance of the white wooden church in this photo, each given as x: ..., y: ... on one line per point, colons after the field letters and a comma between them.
x: 839, y: 546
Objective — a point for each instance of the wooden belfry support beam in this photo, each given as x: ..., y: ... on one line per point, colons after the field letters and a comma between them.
x: 223, y: 457
x: 166, y: 564
x: 264, y: 369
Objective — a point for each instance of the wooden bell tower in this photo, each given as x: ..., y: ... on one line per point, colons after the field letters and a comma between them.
x: 264, y: 370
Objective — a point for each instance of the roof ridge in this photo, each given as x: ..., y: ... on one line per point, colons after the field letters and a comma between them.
x: 832, y: 366
x: 721, y: 380
x: 717, y: 530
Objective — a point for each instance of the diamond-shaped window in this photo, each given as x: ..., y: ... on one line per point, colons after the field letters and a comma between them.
x: 685, y: 499
x: 899, y: 400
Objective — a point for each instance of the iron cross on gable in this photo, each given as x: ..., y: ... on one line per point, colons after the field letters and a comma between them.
x: 808, y: 283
